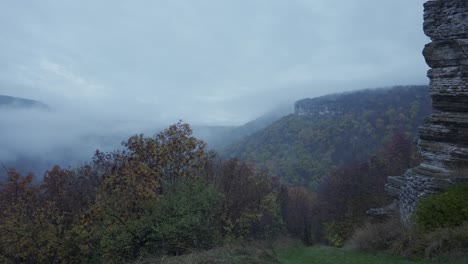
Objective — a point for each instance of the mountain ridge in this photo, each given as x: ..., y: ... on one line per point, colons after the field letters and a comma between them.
x: 12, y: 102
x: 302, y: 147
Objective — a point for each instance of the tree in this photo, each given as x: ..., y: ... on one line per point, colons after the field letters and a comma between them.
x: 298, y: 214
x: 121, y: 223
x: 250, y: 208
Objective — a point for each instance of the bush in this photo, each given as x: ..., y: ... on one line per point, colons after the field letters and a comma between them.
x: 442, y: 244
x: 185, y: 217
x: 447, y: 242
x: 239, y: 252
x: 189, y: 217
x: 377, y: 236
x: 336, y: 233
x: 446, y: 209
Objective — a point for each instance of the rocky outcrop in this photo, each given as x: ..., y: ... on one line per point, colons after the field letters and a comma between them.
x: 415, y: 184
x: 444, y: 137
x: 449, y: 88
x: 364, y: 101
x: 309, y: 107
x: 443, y: 140
x: 446, y: 19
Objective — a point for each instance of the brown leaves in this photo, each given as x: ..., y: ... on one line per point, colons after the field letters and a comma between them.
x: 250, y: 207
x: 299, y: 212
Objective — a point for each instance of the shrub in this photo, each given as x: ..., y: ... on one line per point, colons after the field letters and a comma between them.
x: 410, y: 245
x: 336, y: 233
x: 442, y: 244
x: 238, y: 252
x: 447, y: 242
x: 377, y: 236
x: 189, y: 217
x: 185, y: 217
x: 446, y: 209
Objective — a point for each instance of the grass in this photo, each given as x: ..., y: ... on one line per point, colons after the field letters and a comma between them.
x: 235, y: 253
x: 329, y: 255
x: 285, y: 252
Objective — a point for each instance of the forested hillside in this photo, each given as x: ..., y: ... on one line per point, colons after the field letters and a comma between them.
x: 168, y: 195
x: 333, y: 130
x: 220, y: 136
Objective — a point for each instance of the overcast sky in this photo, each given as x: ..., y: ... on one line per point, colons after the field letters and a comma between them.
x: 205, y: 61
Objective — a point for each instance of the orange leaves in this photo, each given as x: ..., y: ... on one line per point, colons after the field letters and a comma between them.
x: 17, y: 194
x: 136, y: 173
x: 32, y: 226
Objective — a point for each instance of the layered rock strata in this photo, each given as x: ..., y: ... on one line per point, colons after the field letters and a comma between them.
x: 443, y: 140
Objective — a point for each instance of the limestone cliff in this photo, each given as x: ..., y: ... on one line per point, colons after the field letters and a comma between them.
x: 309, y: 107
x: 362, y: 101
x: 443, y: 140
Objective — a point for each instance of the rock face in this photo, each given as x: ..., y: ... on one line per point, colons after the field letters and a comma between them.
x: 309, y: 107
x: 446, y: 19
x: 364, y: 100
x: 443, y: 140
x: 444, y: 137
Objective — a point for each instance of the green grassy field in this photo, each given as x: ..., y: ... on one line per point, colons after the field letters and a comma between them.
x: 328, y: 255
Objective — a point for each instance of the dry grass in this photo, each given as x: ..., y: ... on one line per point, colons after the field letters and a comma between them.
x: 447, y: 243
x: 240, y: 252
x: 378, y: 236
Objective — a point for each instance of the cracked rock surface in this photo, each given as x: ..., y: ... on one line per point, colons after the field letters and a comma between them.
x: 443, y: 140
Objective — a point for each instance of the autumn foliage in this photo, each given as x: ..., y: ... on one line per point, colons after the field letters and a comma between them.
x: 167, y: 194
x: 156, y: 195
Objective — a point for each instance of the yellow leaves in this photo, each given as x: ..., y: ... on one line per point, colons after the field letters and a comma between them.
x: 246, y: 220
x: 136, y: 173
x: 37, y: 233
x: 269, y: 203
x: 126, y: 202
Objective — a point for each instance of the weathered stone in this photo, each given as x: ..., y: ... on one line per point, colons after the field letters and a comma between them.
x: 389, y: 210
x: 416, y: 187
x: 449, y: 88
x: 446, y: 127
x: 443, y: 154
x: 311, y: 107
x: 443, y: 141
x: 446, y: 53
x: 446, y: 19
x: 392, y: 191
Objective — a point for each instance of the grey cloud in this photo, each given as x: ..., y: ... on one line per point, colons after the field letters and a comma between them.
x: 149, y: 63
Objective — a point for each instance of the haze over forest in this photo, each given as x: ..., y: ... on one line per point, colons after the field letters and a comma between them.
x: 126, y: 67
x: 235, y: 131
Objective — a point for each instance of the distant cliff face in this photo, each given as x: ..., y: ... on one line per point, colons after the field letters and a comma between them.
x: 360, y: 101
x: 310, y: 107
x: 443, y: 140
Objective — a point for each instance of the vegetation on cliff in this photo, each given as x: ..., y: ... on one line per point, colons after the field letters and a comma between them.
x: 301, y: 149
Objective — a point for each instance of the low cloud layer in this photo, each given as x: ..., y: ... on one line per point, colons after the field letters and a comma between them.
x: 120, y: 67
x: 201, y: 60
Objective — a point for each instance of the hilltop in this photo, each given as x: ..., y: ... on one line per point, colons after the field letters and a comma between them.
x: 20, y: 103
x: 333, y: 130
